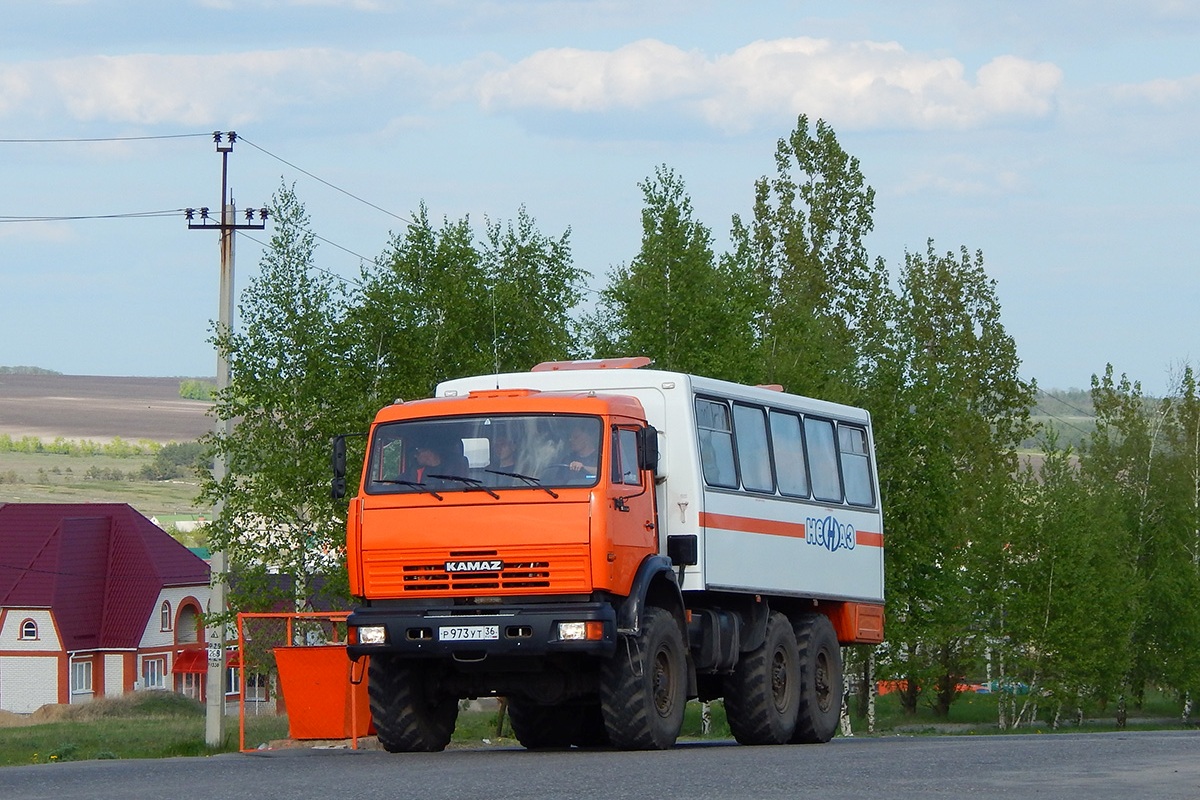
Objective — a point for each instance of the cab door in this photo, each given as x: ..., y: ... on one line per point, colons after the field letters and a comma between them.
x: 630, y: 509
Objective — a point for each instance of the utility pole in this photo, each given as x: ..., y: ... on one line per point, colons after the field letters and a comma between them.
x: 214, y: 727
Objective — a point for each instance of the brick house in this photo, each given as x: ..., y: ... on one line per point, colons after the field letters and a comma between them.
x: 95, y: 600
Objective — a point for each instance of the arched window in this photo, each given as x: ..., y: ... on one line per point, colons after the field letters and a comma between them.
x: 188, y: 628
x: 29, y: 629
x: 164, y: 616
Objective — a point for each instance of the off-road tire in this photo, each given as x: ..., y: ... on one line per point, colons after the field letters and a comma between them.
x: 592, y: 732
x: 409, y: 716
x: 762, y: 696
x: 643, y: 686
x: 820, y: 679
x: 539, y: 727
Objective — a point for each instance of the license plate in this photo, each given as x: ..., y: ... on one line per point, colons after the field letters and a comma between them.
x: 466, y: 633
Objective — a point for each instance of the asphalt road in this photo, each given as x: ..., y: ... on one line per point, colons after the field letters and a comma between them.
x: 1095, y: 766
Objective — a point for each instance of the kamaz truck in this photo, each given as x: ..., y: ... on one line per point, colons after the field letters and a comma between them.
x: 599, y: 542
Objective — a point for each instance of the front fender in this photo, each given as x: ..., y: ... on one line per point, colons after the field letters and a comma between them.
x: 654, y: 584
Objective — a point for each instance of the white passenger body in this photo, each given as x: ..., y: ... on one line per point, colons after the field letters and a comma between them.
x: 748, y: 541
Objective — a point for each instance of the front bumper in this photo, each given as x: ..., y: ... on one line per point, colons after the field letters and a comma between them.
x: 524, y: 630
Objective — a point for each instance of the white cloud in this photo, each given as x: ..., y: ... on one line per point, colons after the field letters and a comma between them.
x: 632, y: 76
x: 856, y: 85
x: 1163, y: 93
x: 149, y: 89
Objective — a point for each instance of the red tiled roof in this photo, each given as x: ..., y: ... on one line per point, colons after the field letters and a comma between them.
x: 99, y: 566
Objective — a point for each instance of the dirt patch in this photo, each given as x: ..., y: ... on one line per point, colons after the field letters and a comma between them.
x: 10, y: 720
x: 99, y: 408
x: 52, y: 712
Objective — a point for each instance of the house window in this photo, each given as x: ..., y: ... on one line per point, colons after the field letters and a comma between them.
x: 164, y: 616
x: 256, y: 687
x: 81, y: 677
x: 154, y: 673
x: 29, y: 629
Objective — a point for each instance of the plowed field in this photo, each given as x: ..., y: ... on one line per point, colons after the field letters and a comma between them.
x: 99, y: 408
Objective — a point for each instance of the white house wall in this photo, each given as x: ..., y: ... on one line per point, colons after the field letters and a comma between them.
x: 114, y: 675
x: 153, y: 637
x: 10, y: 631
x: 28, y: 682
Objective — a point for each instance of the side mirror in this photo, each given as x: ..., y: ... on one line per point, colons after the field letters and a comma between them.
x: 648, y: 448
x: 337, y: 488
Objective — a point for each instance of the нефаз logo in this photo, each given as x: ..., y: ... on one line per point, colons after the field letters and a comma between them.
x: 829, y: 533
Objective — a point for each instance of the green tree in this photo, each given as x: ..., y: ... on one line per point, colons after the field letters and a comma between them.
x: 1064, y: 622
x: 1144, y: 454
x: 175, y: 460
x: 438, y: 305
x: 286, y: 400
x: 673, y: 303
x: 946, y: 443
x: 822, y: 306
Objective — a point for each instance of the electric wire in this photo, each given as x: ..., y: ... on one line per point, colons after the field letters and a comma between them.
x: 327, y: 183
x: 170, y: 212
x: 104, y: 139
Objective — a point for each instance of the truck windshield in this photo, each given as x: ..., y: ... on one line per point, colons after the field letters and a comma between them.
x: 490, y: 454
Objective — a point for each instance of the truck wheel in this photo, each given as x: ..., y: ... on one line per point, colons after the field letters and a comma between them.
x: 762, y: 696
x: 592, y: 732
x: 539, y: 727
x: 820, y: 679
x: 643, y: 686
x: 409, y: 717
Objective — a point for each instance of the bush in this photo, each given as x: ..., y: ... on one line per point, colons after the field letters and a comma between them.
x: 197, y: 390
x: 174, y: 460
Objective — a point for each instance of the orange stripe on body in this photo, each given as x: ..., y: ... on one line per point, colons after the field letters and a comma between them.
x: 772, y: 527
x: 750, y: 525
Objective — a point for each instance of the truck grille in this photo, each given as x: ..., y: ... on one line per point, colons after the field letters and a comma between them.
x: 434, y: 577
x: 554, y: 569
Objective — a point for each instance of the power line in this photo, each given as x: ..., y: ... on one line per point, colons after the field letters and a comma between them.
x: 170, y: 212
x: 327, y: 183
x: 103, y: 139
x: 1062, y: 420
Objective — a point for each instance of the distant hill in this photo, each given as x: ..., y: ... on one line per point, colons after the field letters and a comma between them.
x: 49, y: 405
x: 27, y: 371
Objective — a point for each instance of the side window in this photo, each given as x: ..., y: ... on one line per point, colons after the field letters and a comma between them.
x: 856, y: 465
x: 754, y: 456
x: 716, y: 443
x: 823, y: 460
x: 154, y: 673
x: 81, y: 677
x: 788, y: 444
x: 164, y: 616
x: 625, y: 461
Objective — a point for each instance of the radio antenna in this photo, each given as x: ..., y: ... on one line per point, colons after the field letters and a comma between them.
x: 495, y: 342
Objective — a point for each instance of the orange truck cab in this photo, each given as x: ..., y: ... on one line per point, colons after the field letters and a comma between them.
x: 598, y: 543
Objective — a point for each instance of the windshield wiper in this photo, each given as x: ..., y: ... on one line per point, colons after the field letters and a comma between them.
x: 532, y: 481
x: 472, y: 483
x: 420, y: 486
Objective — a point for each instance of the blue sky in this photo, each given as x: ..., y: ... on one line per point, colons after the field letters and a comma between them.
x: 1059, y: 137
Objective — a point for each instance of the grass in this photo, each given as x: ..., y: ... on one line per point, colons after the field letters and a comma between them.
x: 138, y: 725
x: 975, y: 713
x: 58, y: 478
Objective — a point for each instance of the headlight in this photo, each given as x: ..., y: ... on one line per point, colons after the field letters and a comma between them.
x: 372, y: 634
x: 581, y: 631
